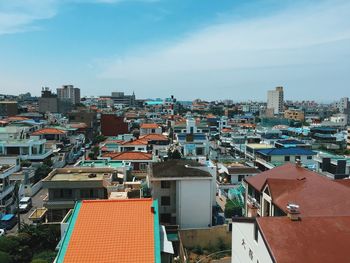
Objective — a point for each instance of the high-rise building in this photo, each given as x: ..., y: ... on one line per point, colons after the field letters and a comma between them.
x: 68, y: 92
x: 275, y: 100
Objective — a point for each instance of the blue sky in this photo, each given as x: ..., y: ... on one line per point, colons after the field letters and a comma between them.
x: 227, y: 49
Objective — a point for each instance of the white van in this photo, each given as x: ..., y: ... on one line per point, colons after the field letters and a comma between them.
x: 25, y: 204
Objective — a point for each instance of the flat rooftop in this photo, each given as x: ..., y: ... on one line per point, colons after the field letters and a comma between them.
x: 103, y: 163
x: 178, y: 168
x: 77, y: 177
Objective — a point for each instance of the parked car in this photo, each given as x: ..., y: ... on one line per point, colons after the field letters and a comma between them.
x: 8, y: 221
x: 2, y: 232
x: 25, y: 204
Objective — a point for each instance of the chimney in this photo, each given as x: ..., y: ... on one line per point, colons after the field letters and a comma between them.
x: 293, y: 212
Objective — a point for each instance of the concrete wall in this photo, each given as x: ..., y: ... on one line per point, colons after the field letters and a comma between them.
x: 194, y: 206
x: 205, y: 238
x: 245, y: 248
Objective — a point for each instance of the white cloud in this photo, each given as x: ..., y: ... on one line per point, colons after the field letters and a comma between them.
x: 212, y: 58
x: 18, y: 16
x: 21, y: 15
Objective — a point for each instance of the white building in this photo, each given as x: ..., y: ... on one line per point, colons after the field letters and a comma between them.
x: 186, y: 192
x: 343, y: 105
x: 150, y: 128
x: 193, y: 142
x: 8, y: 166
x: 275, y: 100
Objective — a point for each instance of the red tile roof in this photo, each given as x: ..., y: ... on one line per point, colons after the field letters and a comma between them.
x: 316, y: 195
x: 129, y: 156
x: 113, y: 231
x: 311, y: 240
x: 136, y: 142
x: 149, y: 126
x: 154, y: 137
x: 48, y: 131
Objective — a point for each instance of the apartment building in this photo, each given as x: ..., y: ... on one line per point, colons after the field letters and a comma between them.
x: 294, y: 114
x: 8, y: 166
x: 275, y: 100
x: 69, y: 93
x: 65, y: 186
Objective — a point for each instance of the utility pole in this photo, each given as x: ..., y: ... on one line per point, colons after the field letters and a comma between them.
x: 16, y: 193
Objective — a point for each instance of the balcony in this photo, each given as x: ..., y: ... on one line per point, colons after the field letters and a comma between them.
x: 5, y: 172
x: 253, y: 202
x: 37, y: 156
x: 4, y: 191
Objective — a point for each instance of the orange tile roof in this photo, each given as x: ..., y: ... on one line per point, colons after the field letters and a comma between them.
x: 113, y: 231
x: 149, y: 126
x: 49, y: 131
x: 16, y: 118
x: 129, y: 156
x: 136, y: 142
x: 154, y: 137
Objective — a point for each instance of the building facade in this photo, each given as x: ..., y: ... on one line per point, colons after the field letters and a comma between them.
x: 70, y: 93
x: 275, y: 100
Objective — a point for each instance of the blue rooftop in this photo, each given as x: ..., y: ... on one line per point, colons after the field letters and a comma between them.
x: 7, y: 217
x: 291, y: 141
x: 286, y: 151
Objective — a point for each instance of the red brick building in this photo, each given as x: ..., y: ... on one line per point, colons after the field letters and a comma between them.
x: 113, y: 125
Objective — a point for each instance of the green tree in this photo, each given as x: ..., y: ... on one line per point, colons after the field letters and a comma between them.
x: 42, y: 171
x: 232, y: 208
x: 5, y: 257
x: 45, y: 256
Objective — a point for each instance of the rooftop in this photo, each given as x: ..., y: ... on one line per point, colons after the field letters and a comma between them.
x: 103, y: 163
x: 48, y: 131
x: 149, y: 126
x: 287, y: 151
x: 112, y: 231
x: 315, y: 194
x: 129, y: 156
x: 178, y: 168
x: 311, y: 239
x: 79, y: 174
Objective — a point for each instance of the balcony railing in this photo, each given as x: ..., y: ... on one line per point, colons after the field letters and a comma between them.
x: 252, y: 201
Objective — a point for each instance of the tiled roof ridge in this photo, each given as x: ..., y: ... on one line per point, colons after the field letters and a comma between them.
x: 114, y: 200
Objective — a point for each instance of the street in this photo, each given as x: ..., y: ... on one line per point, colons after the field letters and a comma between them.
x: 37, y: 202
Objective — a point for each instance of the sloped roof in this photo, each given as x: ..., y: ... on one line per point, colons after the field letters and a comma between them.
x: 154, y: 137
x: 136, y: 142
x: 286, y: 151
x: 312, y: 239
x: 315, y: 194
x: 48, y: 131
x: 129, y: 156
x: 149, y: 126
x: 111, y: 231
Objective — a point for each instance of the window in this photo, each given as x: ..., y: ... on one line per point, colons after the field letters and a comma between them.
x: 240, y: 177
x: 153, y: 130
x: 297, y: 157
x: 199, y: 151
x: 309, y: 157
x: 165, y: 200
x: 165, y: 184
x: 143, y: 166
x: 165, y: 218
x: 286, y: 158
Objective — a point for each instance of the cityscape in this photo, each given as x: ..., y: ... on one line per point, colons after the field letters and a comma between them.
x: 161, y: 131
